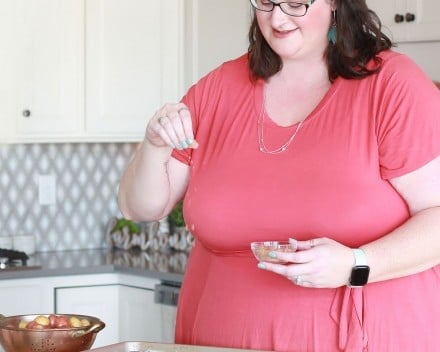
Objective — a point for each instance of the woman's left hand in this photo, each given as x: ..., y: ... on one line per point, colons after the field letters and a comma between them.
x: 319, y: 262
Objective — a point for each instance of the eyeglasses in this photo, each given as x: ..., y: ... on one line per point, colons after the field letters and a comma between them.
x: 296, y: 9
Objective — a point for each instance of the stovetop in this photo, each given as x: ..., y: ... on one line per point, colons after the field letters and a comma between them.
x: 14, y: 260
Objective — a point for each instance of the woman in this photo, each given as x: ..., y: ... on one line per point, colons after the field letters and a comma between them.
x: 320, y: 133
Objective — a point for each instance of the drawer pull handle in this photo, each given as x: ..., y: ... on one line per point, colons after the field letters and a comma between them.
x: 410, y: 17
x: 398, y: 18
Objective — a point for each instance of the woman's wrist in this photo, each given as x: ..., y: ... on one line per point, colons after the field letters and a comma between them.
x: 153, y: 151
x: 360, y: 270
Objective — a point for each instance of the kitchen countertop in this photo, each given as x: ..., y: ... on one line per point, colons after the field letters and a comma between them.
x: 165, y: 266
x: 161, y: 347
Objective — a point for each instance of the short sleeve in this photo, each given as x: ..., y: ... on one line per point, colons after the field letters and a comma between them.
x: 202, y: 99
x: 407, y: 117
x: 189, y: 100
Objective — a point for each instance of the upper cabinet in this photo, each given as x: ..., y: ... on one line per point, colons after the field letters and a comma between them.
x: 97, y: 70
x: 87, y: 70
x: 409, y: 20
x: 42, y: 59
x: 134, y: 63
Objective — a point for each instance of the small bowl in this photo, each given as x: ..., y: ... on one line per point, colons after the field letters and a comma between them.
x: 261, y: 250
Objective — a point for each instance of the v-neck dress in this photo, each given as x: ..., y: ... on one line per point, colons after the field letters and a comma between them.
x: 332, y: 181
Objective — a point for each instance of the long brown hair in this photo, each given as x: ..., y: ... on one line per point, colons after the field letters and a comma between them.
x: 359, y: 40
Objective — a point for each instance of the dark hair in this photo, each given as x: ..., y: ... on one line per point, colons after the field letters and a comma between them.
x: 359, y: 40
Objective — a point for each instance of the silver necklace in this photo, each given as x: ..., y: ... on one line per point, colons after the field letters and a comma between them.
x: 261, y: 143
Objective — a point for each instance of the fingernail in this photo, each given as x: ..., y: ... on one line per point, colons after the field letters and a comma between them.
x: 272, y: 254
x: 261, y: 266
x: 183, y: 145
x: 293, y: 242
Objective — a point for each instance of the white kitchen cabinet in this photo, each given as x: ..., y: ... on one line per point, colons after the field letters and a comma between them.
x: 97, y: 70
x: 99, y: 301
x: 25, y: 296
x: 43, y: 60
x: 133, y: 64
x: 124, y: 303
x: 129, y: 312
x: 409, y: 20
x: 139, y: 316
x: 8, y: 56
x: 87, y: 70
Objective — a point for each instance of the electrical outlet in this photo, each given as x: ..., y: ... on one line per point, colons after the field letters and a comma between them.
x: 46, y: 189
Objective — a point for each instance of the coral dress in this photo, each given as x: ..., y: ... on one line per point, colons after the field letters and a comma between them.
x: 332, y: 181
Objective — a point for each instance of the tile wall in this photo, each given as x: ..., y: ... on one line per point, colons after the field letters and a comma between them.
x: 86, y: 178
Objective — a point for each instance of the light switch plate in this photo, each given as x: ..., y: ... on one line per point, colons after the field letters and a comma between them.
x: 46, y: 189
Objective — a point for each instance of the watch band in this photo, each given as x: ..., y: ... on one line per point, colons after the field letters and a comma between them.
x: 359, y: 257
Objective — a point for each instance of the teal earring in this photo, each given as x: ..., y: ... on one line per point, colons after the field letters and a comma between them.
x: 332, y: 32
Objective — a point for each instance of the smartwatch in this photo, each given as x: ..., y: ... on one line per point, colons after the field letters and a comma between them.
x: 360, y: 270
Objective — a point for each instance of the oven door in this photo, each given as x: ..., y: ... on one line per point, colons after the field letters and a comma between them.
x: 166, y: 295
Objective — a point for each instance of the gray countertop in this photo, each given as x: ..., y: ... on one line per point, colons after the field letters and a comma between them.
x: 165, y: 266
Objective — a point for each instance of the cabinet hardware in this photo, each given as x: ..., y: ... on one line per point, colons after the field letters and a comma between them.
x: 398, y: 18
x: 410, y: 17
x: 26, y: 113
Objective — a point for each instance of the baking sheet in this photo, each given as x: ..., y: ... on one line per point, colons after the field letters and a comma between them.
x: 160, y: 347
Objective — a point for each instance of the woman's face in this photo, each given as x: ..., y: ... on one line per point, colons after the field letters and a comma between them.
x: 295, y: 38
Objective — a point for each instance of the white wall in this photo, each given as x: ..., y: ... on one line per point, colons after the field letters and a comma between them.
x: 425, y: 54
x: 215, y: 32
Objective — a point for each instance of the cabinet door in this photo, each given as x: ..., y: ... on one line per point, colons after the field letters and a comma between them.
x: 387, y: 11
x: 426, y: 25
x: 49, y: 68
x: 140, y: 318
x: 97, y: 301
x: 8, y: 70
x: 133, y: 61
x: 21, y: 299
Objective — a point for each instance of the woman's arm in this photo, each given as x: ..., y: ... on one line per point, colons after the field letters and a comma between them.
x: 414, y: 246
x: 154, y: 181
x: 409, y: 249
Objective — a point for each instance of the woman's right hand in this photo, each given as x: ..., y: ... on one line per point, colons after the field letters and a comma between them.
x: 171, y: 126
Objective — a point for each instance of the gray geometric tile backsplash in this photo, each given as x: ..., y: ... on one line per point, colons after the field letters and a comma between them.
x: 86, y: 178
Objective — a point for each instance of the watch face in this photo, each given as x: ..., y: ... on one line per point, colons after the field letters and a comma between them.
x: 359, y: 275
